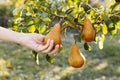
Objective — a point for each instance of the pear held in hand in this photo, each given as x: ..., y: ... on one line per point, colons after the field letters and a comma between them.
x: 88, y: 32
x: 76, y: 59
x: 54, y: 34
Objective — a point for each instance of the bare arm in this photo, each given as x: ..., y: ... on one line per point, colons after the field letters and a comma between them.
x: 9, y: 35
x: 31, y: 40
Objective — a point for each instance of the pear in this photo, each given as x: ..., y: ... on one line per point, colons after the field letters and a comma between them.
x: 54, y: 34
x: 76, y: 59
x: 88, y: 32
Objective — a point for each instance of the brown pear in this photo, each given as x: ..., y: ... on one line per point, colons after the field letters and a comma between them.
x: 88, y: 32
x: 54, y: 34
x: 76, y: 59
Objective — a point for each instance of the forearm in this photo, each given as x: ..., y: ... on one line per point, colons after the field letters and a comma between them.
x: 9, y: 35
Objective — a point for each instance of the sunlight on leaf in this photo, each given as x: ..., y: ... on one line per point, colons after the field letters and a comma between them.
x: 101, y: 41
x: 16, y: 12
x: 46, y: 19
x: 30, y: 22
x: 118, y: 25
x: 31, y: 28
x: 41, y: 29
x: 104, y: 28
x: 15, y: 28
x: 29, y: 10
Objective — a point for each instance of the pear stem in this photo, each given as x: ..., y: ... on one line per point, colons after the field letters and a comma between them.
x: 75, y: 41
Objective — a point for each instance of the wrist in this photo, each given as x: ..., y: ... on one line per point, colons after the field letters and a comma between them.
x: 19, y: 38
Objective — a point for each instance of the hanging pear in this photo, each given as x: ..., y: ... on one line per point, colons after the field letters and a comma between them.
x: 54, y: 34
x: 76, y: 59
x: 88, y: 33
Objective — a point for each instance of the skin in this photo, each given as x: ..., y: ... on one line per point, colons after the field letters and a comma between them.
x: 32, y: 41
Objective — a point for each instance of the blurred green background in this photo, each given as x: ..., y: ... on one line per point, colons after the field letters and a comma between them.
x: 16, y: 62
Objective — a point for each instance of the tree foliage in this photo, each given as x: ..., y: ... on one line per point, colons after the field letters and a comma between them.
x: 39, y: 15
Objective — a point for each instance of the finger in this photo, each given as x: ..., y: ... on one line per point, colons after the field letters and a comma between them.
x: 55, y: 50
x: 49, y: 48
x: 43, y: 47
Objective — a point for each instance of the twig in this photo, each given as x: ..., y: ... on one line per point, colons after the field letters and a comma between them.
x: 98, y: 22
x: 59, y: 16
x: 91, y: 7
x: 78, y: 23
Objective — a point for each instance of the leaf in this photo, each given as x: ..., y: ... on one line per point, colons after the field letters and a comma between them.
x: 23, y: 13
x: 118, y: 25
x: 104, y: 28
x: 69, y: 11
x: 50, y: 59
x: 71, y: 22
x: 35, y: 56
x: 101, y: 41
x: 113, y: 32
x: 46, y: 20
x: 31, y: 28
x: 114, y: 6
x: 30, y: 10
x: 97, y: 27
x: 112, y: 29
x: 15, y: 28
x: 87, y: 47
x: 30, y: 22
x: 64, y: 27
x: 41, y: 29
x: 16, y: 12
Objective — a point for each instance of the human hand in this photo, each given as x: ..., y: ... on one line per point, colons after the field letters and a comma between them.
x: 35, y: 42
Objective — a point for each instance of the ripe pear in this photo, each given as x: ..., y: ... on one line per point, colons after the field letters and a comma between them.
x: 54, y: 34
x: 88, y: 32
x: 76, y: 59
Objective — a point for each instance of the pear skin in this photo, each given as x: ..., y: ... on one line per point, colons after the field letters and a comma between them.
x: 54, y: 34
x: 88, y: 32
x: 76, y: 59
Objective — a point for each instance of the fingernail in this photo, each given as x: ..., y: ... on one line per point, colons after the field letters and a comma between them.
x: 52, y: 41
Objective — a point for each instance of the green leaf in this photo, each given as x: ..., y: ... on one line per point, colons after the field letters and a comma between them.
x: 87, y: 47
x: 104, y: 28
x: 50, y: 59
x: 112, y: 29
x: 31, y: 28
x: 15, y: 28
x: 41, y: 29
x: 118, y: 25
x: 35, y: 56
x: 23, y: 13
x: 31, y: 22
x: 101, y: 41
x: 97, y: 27
x: 17, y: 12
x: 71, y: 22
x: 64, y: 27
x: 46, y: 20
x: 69, y: 11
